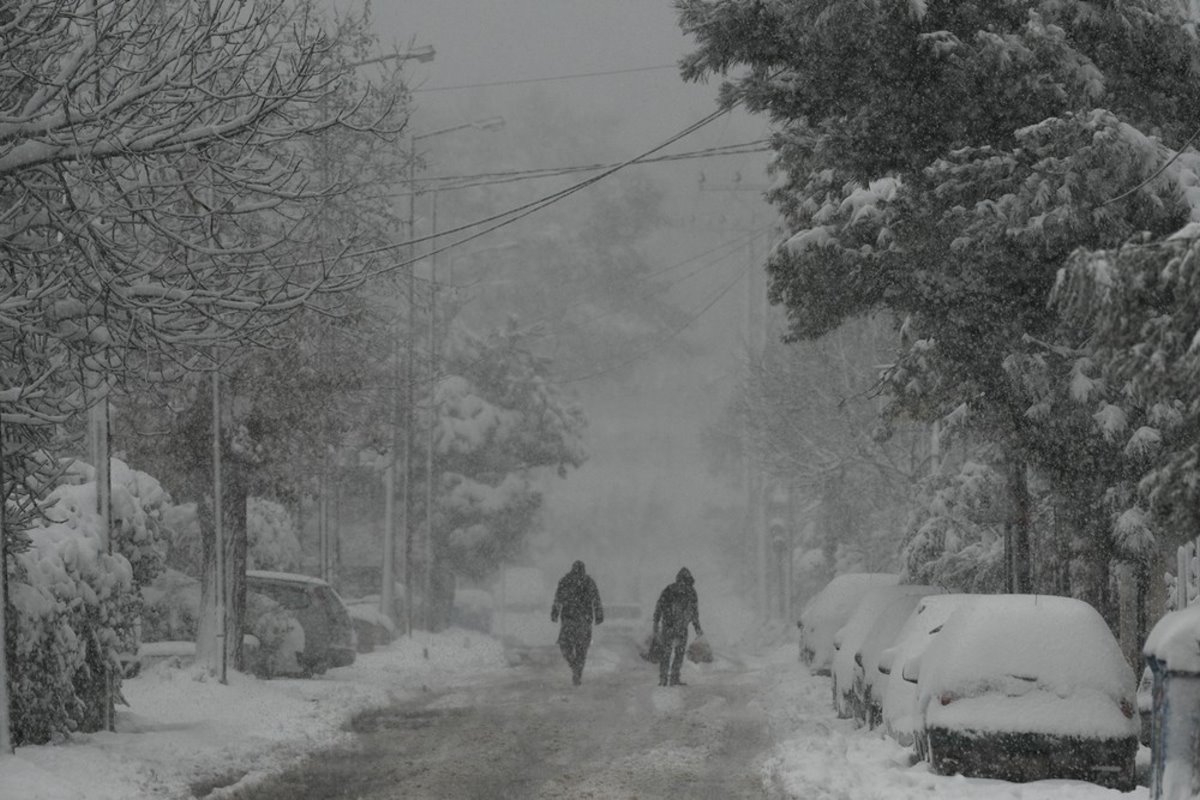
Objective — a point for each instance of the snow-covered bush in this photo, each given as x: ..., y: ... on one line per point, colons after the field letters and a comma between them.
x: 273, y: 544
x: 138, y: 503
x: 75, y: 603
x: 171, y: 610
x: 274, y: 627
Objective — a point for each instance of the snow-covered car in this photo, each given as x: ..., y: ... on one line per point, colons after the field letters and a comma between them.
x: 1145, y: 705
x: 897, y: 697
x: 372, y: 627
x: 850, y: 637
x: 329, y: 639
x: 1027, y: 687
x: 828, y: 610
x: 868, y: 683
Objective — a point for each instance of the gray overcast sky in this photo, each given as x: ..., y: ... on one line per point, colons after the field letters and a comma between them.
x: 482, y: 41
x: 644, y: 433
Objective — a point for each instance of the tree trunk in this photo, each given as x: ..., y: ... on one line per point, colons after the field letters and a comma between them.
x: 206, y: 631
x: 1017, y: 547
x: 440, y: 603
x: 236, y: 548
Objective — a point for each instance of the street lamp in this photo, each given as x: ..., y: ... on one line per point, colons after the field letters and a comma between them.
x: 487, y: 124
x: 422, y: 54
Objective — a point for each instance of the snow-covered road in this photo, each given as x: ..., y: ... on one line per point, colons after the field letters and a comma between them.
x: 756, y: 726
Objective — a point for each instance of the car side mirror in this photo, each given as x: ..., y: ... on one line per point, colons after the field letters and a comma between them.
x: 885, y: 661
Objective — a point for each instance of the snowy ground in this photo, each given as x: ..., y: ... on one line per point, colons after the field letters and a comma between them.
x: 183, y: 735
x: 183, y: 731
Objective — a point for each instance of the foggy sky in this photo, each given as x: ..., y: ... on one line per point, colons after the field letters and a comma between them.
x: 644, y: 432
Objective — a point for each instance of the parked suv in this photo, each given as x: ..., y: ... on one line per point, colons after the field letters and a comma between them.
x: 329, y: 638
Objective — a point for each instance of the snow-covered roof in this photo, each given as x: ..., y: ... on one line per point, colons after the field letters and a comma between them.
x: 829, y: 609
x: 1174, y: 642
x: 1032, y: 663
x: 876, y: 604
x: 897, y: 696
x: 884, y: 632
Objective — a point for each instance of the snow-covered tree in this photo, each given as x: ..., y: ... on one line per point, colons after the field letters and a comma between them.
x: 159, y: 204
x: 808, y: 416
x: 943, y: 161
x: 499, y: 420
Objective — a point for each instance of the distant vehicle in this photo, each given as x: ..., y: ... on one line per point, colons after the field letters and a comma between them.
x: 1027, y: 687
x: 897, y: 697
x: 329, y: 637
x: 875, y: 604
x: 828, y: 610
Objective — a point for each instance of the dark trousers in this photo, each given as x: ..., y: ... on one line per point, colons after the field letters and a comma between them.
x: 574, y: 638
x: 671, y: 662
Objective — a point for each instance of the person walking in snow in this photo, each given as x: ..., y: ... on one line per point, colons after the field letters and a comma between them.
x: 577, y: 603
x: 677, y: 607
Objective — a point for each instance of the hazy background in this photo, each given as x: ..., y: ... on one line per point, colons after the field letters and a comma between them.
x: 645, y: 503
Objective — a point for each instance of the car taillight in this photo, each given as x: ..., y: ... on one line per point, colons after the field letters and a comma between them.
x: 946, y: 698
x: 1126, y: 708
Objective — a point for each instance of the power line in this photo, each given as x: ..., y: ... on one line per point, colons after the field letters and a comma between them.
x: 520, y: 81
x: 730, y: 245
x: 447, y: 183
x: 503, y: 218
x: 657, y: 345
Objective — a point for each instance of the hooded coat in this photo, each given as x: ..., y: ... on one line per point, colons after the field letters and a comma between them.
x: 577, y: 601
x: 677, y: 608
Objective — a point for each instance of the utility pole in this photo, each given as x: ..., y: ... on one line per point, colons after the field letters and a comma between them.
x: 6, y: 747
x: 423, y: 54
x: 219, y: 528
x: 433, y: 415
x: 755, y: 336
x: 406, y: 452
x: 491, y: 123
x: 99, y: 454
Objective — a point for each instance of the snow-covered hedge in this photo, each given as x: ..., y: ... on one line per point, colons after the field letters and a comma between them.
x: 76, y: 605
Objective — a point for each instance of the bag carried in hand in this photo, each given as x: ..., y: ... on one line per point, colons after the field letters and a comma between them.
x: 652, y: 649
x: 699, y: 651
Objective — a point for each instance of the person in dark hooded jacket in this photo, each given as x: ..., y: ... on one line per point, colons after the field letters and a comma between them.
x: 577, y: 602
x: 677, y: 608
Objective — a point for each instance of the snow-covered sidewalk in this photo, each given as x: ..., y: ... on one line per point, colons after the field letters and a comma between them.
x: 183, y: 730
x: 820, y: 757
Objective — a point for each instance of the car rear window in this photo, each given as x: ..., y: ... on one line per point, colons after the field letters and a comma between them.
x: 290, y: 597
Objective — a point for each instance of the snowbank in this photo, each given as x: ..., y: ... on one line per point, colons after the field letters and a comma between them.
x: 183, y: 728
